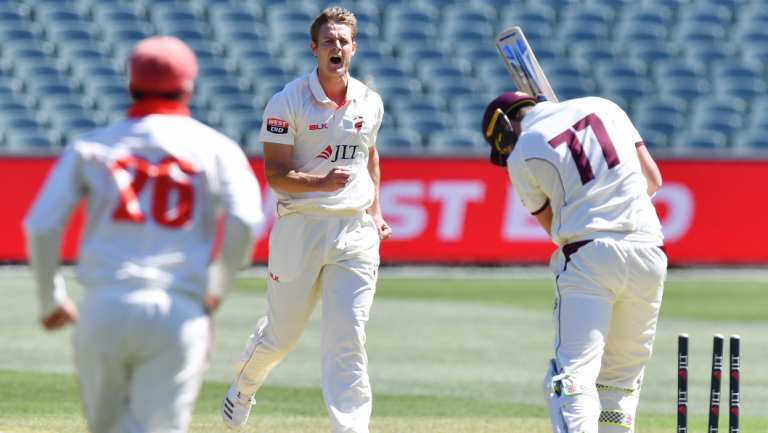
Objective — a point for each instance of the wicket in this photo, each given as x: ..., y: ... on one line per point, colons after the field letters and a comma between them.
x: 734, y: 400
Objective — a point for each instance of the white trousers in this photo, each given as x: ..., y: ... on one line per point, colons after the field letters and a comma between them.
x: 608, y: 297
x: 141, y: 358
x: 335, y: 258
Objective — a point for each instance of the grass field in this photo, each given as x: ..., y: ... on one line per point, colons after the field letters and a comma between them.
x: 446, y: 355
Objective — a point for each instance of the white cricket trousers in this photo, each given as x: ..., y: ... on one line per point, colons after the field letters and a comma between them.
x: 335, y: 258
x: 608, y: 297
x: 141, y: 357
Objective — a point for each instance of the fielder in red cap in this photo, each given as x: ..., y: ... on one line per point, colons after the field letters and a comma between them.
x: 581, y: 168
x: 157, y: 184
x: 162, y: 75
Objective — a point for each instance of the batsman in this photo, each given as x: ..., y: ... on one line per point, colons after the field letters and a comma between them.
x: 581, y: 168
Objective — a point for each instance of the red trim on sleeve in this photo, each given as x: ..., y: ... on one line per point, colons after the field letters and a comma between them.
x: 541, y: 209
x: 639, y: 143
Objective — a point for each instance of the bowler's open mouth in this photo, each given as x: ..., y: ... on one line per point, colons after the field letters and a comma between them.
x: 336, y: 60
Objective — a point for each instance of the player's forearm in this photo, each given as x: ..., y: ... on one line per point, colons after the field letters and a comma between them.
x: 375, y: 172
x: 292, y: 181
x: 43, y: 255
x: 235, y: 253
x: 649, y: 168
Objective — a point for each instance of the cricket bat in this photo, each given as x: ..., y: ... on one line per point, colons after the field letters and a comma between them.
x: 522, y: 64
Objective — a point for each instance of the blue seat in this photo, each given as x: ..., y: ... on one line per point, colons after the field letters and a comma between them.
x: 706, y: 14
x: 708, y: 52
x: 467, y: 112
x: 397, y: 88
x: 629, y: 33
x: 596, y: 52
x: 664, y: 122
x: 299, y: 15
x: 451, y: 88
x: 754, y: 53
x: 470, y: 16
x: 685, y: 88
x: 666, y: 105
x: 393, y: 141
x: 412, y: 55
x: 647, y: 13
x: 416, y: 106
x: 440, y: 69
x: 652, y: 53
x: 588, y: 14
x: 628, y: 88
x: 576, y: 87
x: 28, y: 141
x: 619, y: 68
x: 384, y: 68
x: 687, y: 32
x: 397, y: 32
x: 411, y: 15
x: 722, y: 104
x: 528, y: 17
x: 700, y: 139
x: 655, y: 140
x: 477, y: 54
x: 678, y: 68
x: 753, y: 140
x: 491, y: 70
x: 229, y: 16
x: 17, y: 35
x: 453, y: 141
x: 425, y: 124
x: 743, y: 88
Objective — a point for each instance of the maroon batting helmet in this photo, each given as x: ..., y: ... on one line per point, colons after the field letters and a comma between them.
x: 497, y: 129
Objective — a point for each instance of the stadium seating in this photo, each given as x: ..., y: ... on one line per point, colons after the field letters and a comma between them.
x: 670, y: 63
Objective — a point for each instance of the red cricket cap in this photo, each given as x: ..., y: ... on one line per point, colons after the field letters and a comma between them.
x: 162, y: 64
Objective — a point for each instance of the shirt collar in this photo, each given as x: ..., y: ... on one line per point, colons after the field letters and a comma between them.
x: 355, y: 88
x: 146, y: 107
x: 538, y: 112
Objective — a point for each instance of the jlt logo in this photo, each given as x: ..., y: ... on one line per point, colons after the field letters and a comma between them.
x: 339, y: 152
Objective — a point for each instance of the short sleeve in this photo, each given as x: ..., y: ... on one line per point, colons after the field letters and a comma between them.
x: 241, y: 191
x: 379, y: 119
x: 278, y: 125
x: 525, y: 183
x: 624, y: 123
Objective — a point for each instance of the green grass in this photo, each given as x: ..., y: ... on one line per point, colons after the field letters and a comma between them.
x: 700, y: 300
x: 446, y: 355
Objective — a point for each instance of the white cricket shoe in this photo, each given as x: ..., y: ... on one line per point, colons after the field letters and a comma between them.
x: 236, y: 408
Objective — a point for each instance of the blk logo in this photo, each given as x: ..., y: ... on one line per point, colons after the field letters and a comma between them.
x: 339, y: 152
x: 317, y: 126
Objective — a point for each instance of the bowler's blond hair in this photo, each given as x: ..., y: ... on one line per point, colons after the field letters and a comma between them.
x: 334, y: 14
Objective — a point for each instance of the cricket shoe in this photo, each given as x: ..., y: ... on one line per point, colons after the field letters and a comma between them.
x: 236, y: 408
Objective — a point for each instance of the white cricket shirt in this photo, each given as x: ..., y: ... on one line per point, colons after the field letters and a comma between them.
x: 325, y: 136
x: 581, y: 156
x: 155, y: 187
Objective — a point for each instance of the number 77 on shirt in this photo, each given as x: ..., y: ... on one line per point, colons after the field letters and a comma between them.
x: 522, y: 64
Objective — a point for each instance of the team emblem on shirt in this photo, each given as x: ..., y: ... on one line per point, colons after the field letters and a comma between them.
x: 338, y: 152
x: 358, y: 122
x: 326, y: 153
x: 277, y: 126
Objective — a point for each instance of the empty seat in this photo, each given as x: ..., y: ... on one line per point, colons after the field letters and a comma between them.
x: 453, y: 141
x: 398, y: 141
x: 685, y: 88
x: 398, y: 88
x: 752, y: 141
x: 702, y: 139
